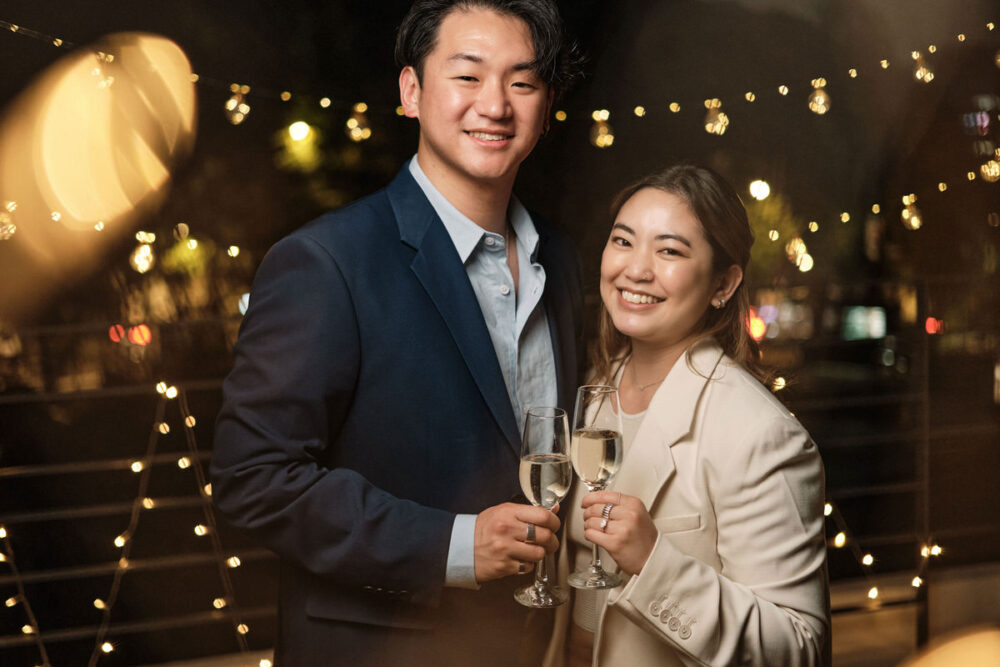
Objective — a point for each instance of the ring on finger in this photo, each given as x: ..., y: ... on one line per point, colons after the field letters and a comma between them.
x: 606, y: 512
x: 521, y: 567
x: 604, y: 525
x: 529, y: 536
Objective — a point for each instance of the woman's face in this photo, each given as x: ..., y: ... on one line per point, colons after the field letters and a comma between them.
x: 657, y: 280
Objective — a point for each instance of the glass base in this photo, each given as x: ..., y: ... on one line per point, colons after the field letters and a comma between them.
x: 541, y: 597
x: 595, y: 577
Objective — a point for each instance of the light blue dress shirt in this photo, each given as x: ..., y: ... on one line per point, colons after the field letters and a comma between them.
x: 516, y: 322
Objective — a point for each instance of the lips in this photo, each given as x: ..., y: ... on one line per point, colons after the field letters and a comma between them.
x: 637, y: 298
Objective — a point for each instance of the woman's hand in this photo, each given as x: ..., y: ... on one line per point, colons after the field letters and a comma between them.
x: 629, y: 535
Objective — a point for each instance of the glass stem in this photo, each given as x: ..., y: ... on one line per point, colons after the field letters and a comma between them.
x: 595, y: 559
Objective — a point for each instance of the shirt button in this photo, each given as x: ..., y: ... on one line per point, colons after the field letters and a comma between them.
x: 504, y: 290
x: 490, y: 240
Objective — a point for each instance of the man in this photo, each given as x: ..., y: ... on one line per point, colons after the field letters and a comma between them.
x: 370, y: 432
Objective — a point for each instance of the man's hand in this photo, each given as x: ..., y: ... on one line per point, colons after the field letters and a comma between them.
x: 501, y: 534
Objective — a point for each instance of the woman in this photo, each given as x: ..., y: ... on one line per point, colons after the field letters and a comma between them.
x: 715, y: 516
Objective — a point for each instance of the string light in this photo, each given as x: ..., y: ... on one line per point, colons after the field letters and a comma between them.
x: 560, y: 116
x: 760, y: 190
x: 990, y: 171
x: 236, y: 107
x: 107, y: 647
x: 868, y: 560
x: 921, y: 72
x: 601, y: 133
x: 819, y: 99
x: 233, y: 251
x: 750, y: 96
x: 873, y: 592
x: 183, y: 463
x: 840, y: 539
x: 716, y: 122
x: 639, y: 111
x: 358, y: 128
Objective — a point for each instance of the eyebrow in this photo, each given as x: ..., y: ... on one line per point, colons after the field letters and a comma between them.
x: 473, y: 58
x: 659, y: 237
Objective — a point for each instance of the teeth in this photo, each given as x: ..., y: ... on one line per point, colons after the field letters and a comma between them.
x: 632, y: 297
x: 487, y: 137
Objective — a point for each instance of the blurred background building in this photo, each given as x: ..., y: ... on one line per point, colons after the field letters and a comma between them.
x: 150, y: 154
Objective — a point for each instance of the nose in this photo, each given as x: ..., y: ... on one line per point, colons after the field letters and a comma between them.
x: 639, y: 268
x: 492, y: 101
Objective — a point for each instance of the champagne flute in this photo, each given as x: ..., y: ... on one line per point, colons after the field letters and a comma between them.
x: 545, y: 475
x: 596, y: 453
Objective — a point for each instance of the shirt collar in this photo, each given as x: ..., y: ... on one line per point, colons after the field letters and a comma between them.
x: 466, y: 234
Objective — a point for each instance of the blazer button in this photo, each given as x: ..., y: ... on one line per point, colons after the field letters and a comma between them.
x: 665, y: 616
x: 673, y: 624
x: 684, y: 632
x: 655, y: 608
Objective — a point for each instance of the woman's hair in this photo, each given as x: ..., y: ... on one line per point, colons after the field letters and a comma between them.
x: 724, y: 224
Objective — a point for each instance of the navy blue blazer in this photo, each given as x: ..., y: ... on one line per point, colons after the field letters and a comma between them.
x: 366, y: 408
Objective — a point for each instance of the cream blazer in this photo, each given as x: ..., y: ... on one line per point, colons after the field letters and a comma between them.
x: 738, y: 573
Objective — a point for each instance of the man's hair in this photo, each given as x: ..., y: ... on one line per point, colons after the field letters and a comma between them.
x: 557, y: 61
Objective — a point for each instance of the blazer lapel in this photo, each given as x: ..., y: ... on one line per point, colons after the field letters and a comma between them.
x: 439, y: 269
x: 649, y: 465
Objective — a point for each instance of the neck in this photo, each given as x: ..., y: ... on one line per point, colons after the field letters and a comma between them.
x: 651, y: 362
x: 483, y: 202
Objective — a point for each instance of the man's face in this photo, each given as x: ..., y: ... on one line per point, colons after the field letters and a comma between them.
x: 481, y: 109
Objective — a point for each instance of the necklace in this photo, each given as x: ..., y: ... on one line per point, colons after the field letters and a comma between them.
x: 644, y: 387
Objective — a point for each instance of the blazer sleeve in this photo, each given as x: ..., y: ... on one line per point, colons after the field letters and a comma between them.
x: 769, y: 604
x: 295, y: 368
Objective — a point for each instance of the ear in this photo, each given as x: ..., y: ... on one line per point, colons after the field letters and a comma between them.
x: 409, y: 92
x: 548, y: 111
x: 729, y: 281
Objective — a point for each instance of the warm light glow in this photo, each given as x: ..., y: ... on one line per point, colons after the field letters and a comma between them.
x: 148, y: 503
x: 233, y: 561
x: 884, y: 64
x: 936, y: 550
x: 853, y: 73
x: 971, y: 175
x: 990, y: 171
x: 674, y: 107
x: 264, y: 662
x: 779, y: 384
x: 911, y: 217
x: 183, y: 463
x: 140, y: 335
x: 3, y: 557
x: 28, y: 629
x: 120, y: 541
x: 242, y: 628
x: 827, y: 509
x: 207, y: 489
x: 917, y: 582
x: 201, y: 530
x: 813, y: 226
x: 868, y: 559
x: 107, y: 647
x: 233, y: 251
x: 285, y: 96
x: 11, y: 602
x: 357, y: 126
x: 171, y: 392
x: 933, y: 326
x: 773, y: 235
x: 960, y: 37
x: 324, y: 102
x: 137, y: 466
x: 805, y: 262
x: 560, y: 115
x: 601, y: 133
x: 845, y: 217
x: 819, y: 99
x: 189, y: 421
x: 400, y: 111
x: 639, y: 111
x: 839, y: 540
x: 219, y: 603
x: 142, y: 258
x: 161, y: 387
x: 3, y: 532
x: 750, y: 96
x: 873, y: 592
x: 876, y: 209
x: 760, y: 190
x: 163, y: 428
x: 783, y: 89
x: 942, y: 186
x: 192, y: 244
x: 756, y: 326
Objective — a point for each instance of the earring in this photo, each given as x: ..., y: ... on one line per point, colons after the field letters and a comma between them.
x: 721, y: 304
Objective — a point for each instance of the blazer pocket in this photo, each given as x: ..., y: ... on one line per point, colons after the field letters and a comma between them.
x: 675, y: 524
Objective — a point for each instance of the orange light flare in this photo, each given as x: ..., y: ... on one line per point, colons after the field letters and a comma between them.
x: 756, y: 326
x: 933, y: 326
x: 89, y: 145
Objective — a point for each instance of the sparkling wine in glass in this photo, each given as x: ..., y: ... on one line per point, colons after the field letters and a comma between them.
x: 596, y: 452
x: 545, y: 475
